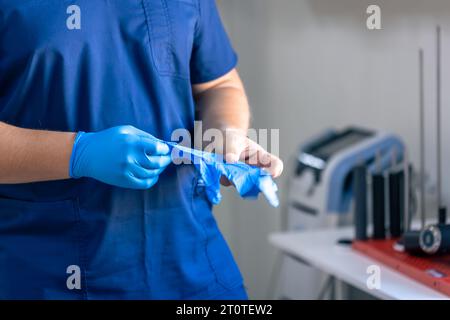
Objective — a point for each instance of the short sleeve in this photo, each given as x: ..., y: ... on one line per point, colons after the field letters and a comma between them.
x: 212, y: 53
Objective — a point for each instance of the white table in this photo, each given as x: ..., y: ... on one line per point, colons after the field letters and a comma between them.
x: 319, y: 248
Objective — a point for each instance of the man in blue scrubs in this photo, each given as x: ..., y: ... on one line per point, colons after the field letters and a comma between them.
x: 90, y: 205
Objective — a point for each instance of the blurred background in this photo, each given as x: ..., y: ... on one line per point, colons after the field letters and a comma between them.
x: 309, y: 65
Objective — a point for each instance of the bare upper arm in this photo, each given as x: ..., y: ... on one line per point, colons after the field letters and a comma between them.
x: 229, y: 80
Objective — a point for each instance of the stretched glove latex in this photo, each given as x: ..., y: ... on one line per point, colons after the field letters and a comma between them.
x: 248, y: 180
x: 122, y: 156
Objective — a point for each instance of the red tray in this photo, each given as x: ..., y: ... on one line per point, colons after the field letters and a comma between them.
x: 431, y: 271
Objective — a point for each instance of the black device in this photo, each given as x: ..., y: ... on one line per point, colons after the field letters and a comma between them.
x: 396, y: 202
x: 360, y: 193
x: 410, y: 242
x: 378, y: 205
x: 435, y: 239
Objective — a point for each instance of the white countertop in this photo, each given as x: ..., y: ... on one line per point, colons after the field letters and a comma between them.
x: 319, y: 248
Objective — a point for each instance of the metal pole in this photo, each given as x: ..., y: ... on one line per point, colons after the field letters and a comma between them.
x: 438, y: 116
x: 442, y: 211
x: 422, y: 139
x: 407, y: 222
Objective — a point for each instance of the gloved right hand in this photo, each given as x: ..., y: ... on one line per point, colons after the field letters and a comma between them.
x: 122, y: 156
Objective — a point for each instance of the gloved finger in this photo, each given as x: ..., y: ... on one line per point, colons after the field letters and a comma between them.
x: 145, y: 135
x: 141, y: 184
x: 153, y: 146
x: 156, y: 162
x: 152, y: 162
x: 143, y: 173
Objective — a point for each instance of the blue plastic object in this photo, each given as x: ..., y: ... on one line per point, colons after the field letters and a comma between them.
x: 248, y: 180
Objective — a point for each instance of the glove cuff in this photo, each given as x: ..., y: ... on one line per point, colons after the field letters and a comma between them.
x: 73, y: 161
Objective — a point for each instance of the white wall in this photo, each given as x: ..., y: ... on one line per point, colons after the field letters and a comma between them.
x: 311, y: 64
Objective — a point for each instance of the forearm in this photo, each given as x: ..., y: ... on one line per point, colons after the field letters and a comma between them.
x: 33, y: 155
x: 224, y: 104
x: 223, y: 108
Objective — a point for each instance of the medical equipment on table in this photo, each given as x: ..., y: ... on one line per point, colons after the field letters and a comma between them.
x: 432, y: 239
x: 321, y: 192
x: 421, y: 254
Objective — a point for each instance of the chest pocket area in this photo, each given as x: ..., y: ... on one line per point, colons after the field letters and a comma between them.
x: 171, y: 25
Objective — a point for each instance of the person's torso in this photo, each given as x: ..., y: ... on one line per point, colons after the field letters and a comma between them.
x: 89, y: 65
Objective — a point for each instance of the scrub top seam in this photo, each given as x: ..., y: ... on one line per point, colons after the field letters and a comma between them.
x: 147, y: 264
x: 81, y: 248
x: 211, y: 266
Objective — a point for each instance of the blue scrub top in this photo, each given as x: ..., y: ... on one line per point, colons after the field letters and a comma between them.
x: 89, y: 65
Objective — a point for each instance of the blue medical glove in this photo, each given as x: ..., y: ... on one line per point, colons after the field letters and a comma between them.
x: 122, y: 156
x: 248, y: 180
